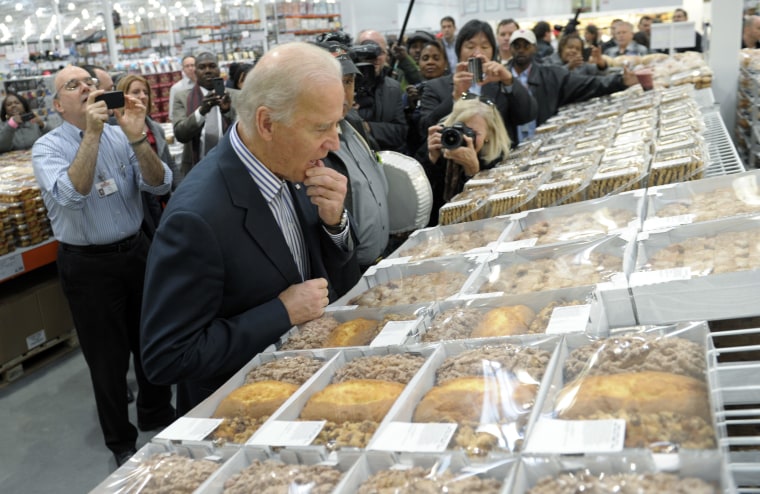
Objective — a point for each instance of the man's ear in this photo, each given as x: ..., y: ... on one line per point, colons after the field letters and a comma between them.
x: 264, y: 122
x: 57, y: 106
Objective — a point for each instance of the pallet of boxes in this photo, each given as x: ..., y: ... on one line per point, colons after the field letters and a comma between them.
x: 35, y: 322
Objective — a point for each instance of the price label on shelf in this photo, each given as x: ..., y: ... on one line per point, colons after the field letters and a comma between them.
x: 11, y: 265
x: 404, y: 436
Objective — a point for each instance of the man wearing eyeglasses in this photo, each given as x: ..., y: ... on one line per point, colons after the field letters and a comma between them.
x: 91, y: 175
x: 184, y: 84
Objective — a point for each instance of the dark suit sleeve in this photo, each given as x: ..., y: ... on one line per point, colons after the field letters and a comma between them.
x: 522, y: 106
x: 389, y: 127
x: 576, y: 87
x: 185, y: 126
x: 435, y: 103
x: 182, y: 338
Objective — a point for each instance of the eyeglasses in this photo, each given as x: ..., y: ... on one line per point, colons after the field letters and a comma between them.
x: 73, y: 84
x: 483, y: 99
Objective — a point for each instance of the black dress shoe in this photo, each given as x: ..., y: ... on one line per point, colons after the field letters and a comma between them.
x: 130, y: 395
x: 124, y: 456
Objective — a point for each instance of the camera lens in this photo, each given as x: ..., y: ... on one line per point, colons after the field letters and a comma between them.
x: 451, y: 138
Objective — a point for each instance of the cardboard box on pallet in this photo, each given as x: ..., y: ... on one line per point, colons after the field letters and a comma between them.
x: 33, y: 311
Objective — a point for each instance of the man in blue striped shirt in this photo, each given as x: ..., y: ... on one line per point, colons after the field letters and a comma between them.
x: 253, y: 240
x: 91, y: 175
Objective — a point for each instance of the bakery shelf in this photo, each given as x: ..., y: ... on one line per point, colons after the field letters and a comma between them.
x: 723, y: 156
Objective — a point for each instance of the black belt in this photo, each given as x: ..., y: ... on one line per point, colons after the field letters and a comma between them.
x: 120, y: 246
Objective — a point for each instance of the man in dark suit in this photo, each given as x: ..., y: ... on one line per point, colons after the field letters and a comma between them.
x: 200, y: 116
x: 252, y: 240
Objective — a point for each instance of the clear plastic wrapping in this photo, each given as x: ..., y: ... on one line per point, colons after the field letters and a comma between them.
x: 654, y: 380
x: 451, y: 240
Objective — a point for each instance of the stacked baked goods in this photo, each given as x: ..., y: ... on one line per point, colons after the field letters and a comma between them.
x: 360, y: 395
x: 417, y: 479
x: 656, y: 384
x: 661, y: 483
x: 460, y: 323
x: 266, y: 388
x: 490, y: 392
x: 453, y: 243
x: 170, y: 473
x: 274, y: 477
x: 328, y: 332
x: 718, y: 203
x: 412, y: 289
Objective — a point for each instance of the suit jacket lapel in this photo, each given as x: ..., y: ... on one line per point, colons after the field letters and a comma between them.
x: 259, y: 221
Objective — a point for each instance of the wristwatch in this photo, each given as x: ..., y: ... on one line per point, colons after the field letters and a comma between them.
x: 335, y: 229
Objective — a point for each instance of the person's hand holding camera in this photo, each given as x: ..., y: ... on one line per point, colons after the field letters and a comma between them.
x: 464, y: 156
x: 434, y: 143
x: 597, y: 58
x: 496, y: 72
x: 574, y: 61
x: 412, y: 96
x: 225, y: 103
x: 462, y: 80
x: 209, y: 101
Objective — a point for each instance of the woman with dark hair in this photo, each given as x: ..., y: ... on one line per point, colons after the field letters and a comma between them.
x: 513, y: 102
x: 591, y: 36
x: 433, y: 64
x: 137, y: 86
x: 242, y: 71
x: 570, y: 55
x: 20, y: 126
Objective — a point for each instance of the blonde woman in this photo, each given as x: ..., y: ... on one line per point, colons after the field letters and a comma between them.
x: 470, y: 139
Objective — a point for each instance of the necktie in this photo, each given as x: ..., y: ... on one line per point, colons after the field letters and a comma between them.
x: 285, y: 215
x: 213, y: 129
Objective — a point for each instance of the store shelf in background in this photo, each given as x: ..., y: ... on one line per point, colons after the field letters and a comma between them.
x: 28, y: 259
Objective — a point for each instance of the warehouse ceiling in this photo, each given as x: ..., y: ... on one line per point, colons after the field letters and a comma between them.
x: 31, y: 21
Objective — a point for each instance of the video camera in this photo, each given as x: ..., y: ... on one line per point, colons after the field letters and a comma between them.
x: 572, y: 24
x: 364, y: 57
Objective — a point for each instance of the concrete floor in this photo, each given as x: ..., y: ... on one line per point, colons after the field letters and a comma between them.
x: 50, y: 440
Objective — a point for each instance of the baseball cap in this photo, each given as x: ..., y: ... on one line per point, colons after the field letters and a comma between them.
x: 419, y: 36
x: 347, y: 65
x: 525, y: 34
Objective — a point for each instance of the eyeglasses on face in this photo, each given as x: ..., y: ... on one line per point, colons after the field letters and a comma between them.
x: 73, y: 84
x: 482, y: 99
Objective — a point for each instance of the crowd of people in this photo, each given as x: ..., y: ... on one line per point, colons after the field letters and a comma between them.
x: 278, y: 202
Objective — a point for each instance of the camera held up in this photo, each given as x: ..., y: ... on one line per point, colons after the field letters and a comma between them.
x: 453, y: 137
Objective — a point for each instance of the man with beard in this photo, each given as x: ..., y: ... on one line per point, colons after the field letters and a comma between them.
x: 553, y: 85
x: 201, y: 116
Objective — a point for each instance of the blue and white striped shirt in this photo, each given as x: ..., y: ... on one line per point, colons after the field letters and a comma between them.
x: 90, y: 219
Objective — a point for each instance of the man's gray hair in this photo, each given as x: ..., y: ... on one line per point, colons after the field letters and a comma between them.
x: 279, y: 78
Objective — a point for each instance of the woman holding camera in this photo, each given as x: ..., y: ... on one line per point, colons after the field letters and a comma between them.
x: 514, y: 103
x: 20, y: 126
x: 570, y: 55
x: 470, y: 139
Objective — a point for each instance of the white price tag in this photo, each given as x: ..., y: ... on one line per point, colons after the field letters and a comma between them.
x: 394, y: 333
x: 287, y: 433
x: 660, y: 276
x: 667, y: 222
x: 405, y: 436
x: 189, y: 429
x: 552, y: 436
x: 571, y: 319
x: 10, y: 265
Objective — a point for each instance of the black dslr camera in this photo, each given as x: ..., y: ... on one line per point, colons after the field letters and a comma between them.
x: 453, y: 137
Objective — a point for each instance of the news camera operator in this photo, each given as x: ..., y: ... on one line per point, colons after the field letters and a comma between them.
x: 472, y: 138
x: 378, y: 96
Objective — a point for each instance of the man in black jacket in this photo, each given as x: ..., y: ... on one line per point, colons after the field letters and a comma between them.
x: 553, y: 85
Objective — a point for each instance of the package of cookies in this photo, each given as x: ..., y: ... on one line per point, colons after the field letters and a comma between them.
x: 616, y: 176
x: 486, y: 391
x: 629, y: 472
x: 678, y: 165
x: 418, y: 283
x: 585, y: 220
x: 450, y: 240
x: 703, y: 200
x: 251, y: 470
x: 551, y: 267
x: 383, y: 472
x: 167, y: 468
x: 468, y: 205
x: 655, y: 380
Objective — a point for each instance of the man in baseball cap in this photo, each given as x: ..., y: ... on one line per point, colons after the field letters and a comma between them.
x: 367, y: 191
x: 554, y: 85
